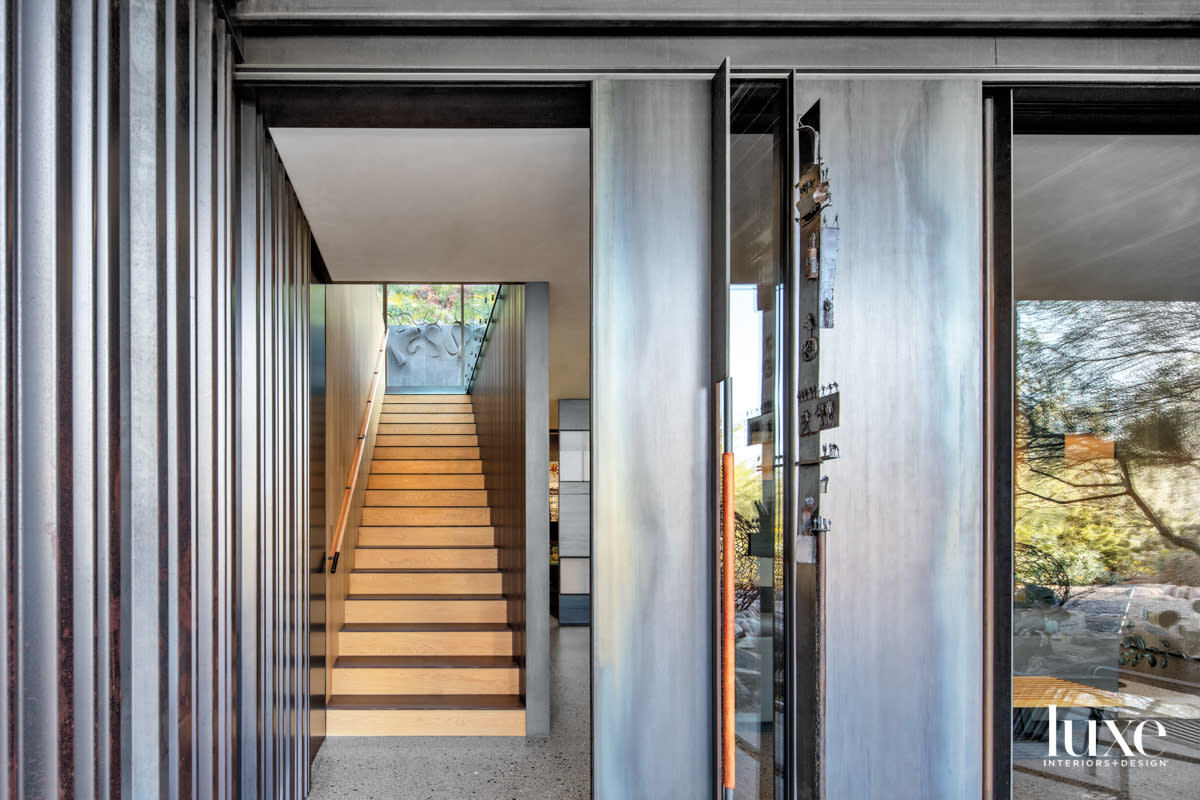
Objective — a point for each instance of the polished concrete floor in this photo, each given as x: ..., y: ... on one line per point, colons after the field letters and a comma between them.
x: 450, y: 768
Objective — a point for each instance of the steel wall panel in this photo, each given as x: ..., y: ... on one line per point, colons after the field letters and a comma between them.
x: 9, y: 739
x: 904, y: 560
x: 652, y: 520
x: 125, y: 465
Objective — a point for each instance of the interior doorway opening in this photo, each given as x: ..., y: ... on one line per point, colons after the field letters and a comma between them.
x: 478, y: 224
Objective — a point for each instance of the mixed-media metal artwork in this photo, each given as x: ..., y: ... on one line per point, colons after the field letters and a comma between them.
x: 827, y: 270
x: 812, y: 192
x: 819, y: 407
x: 821, y: 412
x: 810, y: 347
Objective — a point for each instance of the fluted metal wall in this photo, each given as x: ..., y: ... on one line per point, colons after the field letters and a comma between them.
x: 153, y: 398
x: 511, y: 399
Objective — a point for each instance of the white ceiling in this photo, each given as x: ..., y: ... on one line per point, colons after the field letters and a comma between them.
x: 1106, y: 217
x: 457, y: 205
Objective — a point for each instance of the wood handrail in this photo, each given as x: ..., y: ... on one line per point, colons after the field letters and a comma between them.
x: 339, y: 532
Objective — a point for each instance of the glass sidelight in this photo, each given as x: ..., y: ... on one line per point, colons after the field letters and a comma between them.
x: 751, y: 425
x: 1098, y: 512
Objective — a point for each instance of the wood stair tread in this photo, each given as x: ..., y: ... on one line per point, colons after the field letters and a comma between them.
x: 425, y: 662
x: 409, y: 627
x: 401, y: 571
x: 426, y: 597
x: 425, y: 547
x: 425, y: 508
x: 453, y: 702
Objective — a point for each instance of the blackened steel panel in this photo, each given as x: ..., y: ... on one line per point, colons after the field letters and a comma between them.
x: 715, y: 14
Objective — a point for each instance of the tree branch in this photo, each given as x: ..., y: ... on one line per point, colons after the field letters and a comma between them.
x: 1074, y: 485
x: 1144, y: 507
x: 1073, y: 500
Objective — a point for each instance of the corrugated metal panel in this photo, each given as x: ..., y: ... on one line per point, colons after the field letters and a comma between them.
x: 126, y: 472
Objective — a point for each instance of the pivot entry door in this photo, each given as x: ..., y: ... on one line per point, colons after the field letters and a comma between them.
x: 754, y: 384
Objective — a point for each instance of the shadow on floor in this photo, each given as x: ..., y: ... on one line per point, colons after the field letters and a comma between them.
x: 454, y: 768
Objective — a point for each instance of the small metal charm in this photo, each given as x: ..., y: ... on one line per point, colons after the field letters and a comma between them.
x: 819, y: 525
x: 827, y: 270
x: 809, y: 349
x: 812, y: 263
x: 824, y: 484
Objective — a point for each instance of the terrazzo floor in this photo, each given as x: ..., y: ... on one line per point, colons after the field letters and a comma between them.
x: 459, y: 768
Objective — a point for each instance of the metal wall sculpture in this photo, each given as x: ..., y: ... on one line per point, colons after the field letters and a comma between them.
x: 431, y: 354
x: 153, y: 403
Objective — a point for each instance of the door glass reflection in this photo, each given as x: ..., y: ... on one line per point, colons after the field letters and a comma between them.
x: 1106, y: 580
x: 757, y: 159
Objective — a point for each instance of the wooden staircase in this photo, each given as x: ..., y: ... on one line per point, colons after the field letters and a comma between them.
x: 426, y: 649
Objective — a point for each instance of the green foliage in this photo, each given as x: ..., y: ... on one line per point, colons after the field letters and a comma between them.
x: 1089, y: 545
x: 446, y: 304
x: 1128, y: 375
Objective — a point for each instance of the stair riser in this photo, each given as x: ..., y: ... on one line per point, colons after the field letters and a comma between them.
x: 426, y: 440
x: 425, y: 467
x: 429, y: 498
x: 425, y: 558
x: 441, y: 681
x: 425, y: 583
x: 425, y: 482
x: 390, y: 722
x: 432, y: 611
x: 477, y: 536
x: 425, y: 643
x: 427, y: 453
x: 426, y: 429
x: 426, y: 516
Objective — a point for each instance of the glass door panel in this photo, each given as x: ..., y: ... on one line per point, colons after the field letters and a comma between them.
x: 1106, y: 578
x: 754, y: 393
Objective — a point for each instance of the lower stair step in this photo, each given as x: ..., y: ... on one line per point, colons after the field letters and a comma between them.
x: 424, y: 715
x: 417, y: 480
x: 427, y: 557
x: 415, y: 581
x: 409, y: 516
x: 430, y: 453
x: 427, y: 536
x: 421, y: 675
x: 462, y: 608
x: 419, y: 639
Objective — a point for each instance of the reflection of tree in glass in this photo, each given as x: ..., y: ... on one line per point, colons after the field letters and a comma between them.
x: 745, y: 569
x: 1108, y: 425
